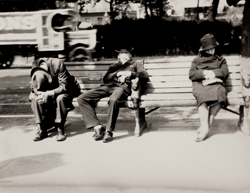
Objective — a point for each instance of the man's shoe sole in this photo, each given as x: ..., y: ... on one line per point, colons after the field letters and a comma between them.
x: 99, y: 137
x: 41, y: 137
x: 108, y: 140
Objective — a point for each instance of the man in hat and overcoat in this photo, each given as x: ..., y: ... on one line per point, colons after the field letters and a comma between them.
x: 52, y: 92
x: 208, y: 72
x: 116, y: 85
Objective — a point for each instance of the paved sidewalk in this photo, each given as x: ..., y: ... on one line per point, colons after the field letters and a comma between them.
x: 164, y: 159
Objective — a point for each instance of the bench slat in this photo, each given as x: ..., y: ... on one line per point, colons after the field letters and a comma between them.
x: 177, y: 91
x: 85, y: 80
x: 187, y: 82
x: 151, y: 72
x: 88, y: 68
x: 180, y: 96
x: 104, y: 67
x: 160, y: 103
x: 182, y: 65
x: 182, y: 71
x: 180, y: 103
x: 86, y: 73
x: 183, y: 90
x: 164, y: 86
x: 185, y: 59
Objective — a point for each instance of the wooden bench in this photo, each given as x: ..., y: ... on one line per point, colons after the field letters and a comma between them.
x: 169, y: 85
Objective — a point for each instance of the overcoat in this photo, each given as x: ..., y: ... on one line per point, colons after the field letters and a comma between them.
x: 137, y: 70
x: 62, y: 81
x: 213, y: 93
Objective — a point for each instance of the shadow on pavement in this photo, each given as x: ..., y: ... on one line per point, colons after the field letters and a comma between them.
x: 21, y: 166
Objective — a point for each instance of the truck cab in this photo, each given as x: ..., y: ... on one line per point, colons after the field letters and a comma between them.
x: 45, y: 33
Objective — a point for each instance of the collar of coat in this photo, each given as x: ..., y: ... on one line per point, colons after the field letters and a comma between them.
x: 202, y: 58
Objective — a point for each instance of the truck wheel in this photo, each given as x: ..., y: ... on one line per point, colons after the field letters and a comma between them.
x: 6, y: 61
x: 78, y: 54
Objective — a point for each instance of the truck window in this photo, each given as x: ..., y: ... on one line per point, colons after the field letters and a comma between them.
x: 61, y: 23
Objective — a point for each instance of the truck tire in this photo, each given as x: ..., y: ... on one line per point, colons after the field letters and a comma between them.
x: 78, y: 54
x: 6, y: 61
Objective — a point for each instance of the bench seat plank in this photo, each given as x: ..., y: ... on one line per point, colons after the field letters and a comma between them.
x: 173, y: 78
x: 166, y: 103
x: 182, y: 71
x: 152, y: 72
x: 177, y: 85
x: 180, y: 65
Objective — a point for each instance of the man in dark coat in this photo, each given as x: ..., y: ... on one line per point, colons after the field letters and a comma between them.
x: 116, y: 85
x: 208, y: 72
x: 52, y: 92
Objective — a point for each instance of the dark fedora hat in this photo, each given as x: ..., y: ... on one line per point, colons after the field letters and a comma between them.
x: 208, y: 42
x: 36, y: 66
x: 124, y: 50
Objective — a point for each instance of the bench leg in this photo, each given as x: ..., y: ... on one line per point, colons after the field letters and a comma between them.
x: 243, y: 120
x: 245, y: 89
x: 140, y: 121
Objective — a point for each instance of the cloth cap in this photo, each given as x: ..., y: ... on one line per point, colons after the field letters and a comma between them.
x: 36, y: 66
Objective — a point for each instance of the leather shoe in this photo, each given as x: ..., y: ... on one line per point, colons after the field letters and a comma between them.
x: 108, y: 137
x: 61, y: 137
x: 99, y: 133
x: 40, y: 135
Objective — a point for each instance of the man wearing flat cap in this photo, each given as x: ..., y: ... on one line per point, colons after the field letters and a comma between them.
x: 52, y: 92
x: 116, y: 85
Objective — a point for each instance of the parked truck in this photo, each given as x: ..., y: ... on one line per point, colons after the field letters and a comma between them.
x: 44, y: 33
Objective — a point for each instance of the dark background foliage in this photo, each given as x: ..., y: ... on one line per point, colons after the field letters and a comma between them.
x: 157, y: 37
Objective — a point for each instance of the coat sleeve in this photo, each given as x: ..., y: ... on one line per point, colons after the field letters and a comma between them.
x: 62, y: 75
x: 109, y: 75
x: 222, y: 72
x: 141, y: 72
x: 195, y: 73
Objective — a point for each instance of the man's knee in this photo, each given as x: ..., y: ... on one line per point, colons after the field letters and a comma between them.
x: 80, y: 98
x: 113, y: 100
x: 60, y: 98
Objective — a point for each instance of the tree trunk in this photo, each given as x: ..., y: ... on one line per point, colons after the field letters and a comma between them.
x: 146, y: 9
x: 112, y: 14
x: 197, y: 10
x: 245, y: 43
x: 161, y: 11
x: 151, y: 9
x: 213, y: 10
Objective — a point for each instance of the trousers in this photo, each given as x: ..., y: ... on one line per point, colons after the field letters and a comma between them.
x: 88, y: 102
x: 56, y: 109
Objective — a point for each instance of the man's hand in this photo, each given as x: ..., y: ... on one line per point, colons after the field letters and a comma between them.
x: 122, y: 75
x: 121, y: 79
x: 208, y: 74
x: 33, y: 86
x: 43, y: 96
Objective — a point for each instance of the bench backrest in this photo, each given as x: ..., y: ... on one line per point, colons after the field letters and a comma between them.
x: 169, y: 83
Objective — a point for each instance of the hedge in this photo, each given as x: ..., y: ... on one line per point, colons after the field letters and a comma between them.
x: 155, y: 37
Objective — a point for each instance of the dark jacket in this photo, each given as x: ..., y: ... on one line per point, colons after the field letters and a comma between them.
x: 135, y: 67
x: 62, y: 80
x: 215, y: 92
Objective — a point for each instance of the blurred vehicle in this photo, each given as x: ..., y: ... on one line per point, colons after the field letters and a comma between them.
x: 44, y: 33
